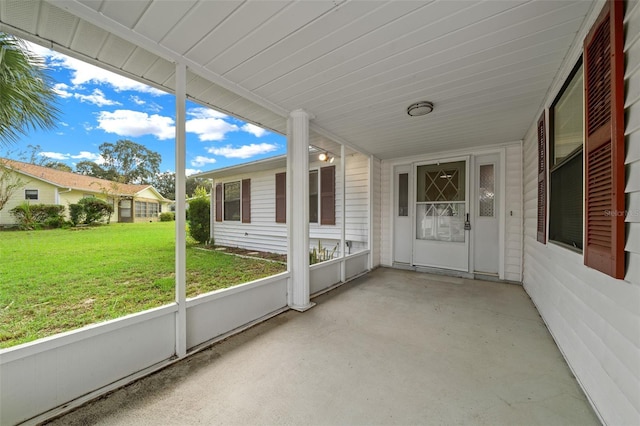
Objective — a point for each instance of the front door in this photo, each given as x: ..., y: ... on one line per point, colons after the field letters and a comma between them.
x: 124, y: 210
x: 441, y: 239
x: 487, y: 205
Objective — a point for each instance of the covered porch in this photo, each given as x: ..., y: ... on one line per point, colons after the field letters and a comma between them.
x: 391, y: 347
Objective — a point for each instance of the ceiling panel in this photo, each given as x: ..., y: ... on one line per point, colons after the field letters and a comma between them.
x: 236, y: 26
x: 160, y: 18
x: 354, y: 65
x: 287, y: 21
x: 197, y: 23
x: 126, y: 13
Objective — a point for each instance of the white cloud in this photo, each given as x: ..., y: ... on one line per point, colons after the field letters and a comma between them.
x: 208, y: 124
x: 134, y: 123
x: 90, y: 156
x: 190, y: 172
x: 62, y: 123
x: 82, y: 72
x: 62, y: 90
x: 96, y: 98
x: 200, y: 161
x: 136, y: 100
x: 254, y: 130
x: 245, y: 151
x: 82, y: 155
x: 55, y: 155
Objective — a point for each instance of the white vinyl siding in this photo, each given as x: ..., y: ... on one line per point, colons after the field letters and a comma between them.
x: 513, y: 214
x: 594, y: 318
x: 264, y: 234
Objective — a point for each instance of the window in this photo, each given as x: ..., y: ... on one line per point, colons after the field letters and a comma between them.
x: 146, y: 209
x: 322, y: 196
x: 30, y: 194
x: 403, y: 194
x: 566, y: 159
x: 232, y: 201
x: 313, y: 196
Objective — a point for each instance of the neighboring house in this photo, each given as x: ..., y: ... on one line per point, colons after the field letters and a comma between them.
x: 249, y: 204
x: 44, y: 185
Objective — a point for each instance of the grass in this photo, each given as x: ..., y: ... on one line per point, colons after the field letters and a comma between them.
x: 59, y: 280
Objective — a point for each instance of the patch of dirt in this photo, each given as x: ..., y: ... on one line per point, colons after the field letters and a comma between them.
x: 250, y: 253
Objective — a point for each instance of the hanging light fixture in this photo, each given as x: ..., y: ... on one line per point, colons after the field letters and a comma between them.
x: 420, y: 108
x: 326, y: 157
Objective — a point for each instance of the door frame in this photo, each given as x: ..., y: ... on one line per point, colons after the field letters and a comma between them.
x: 444, y: 157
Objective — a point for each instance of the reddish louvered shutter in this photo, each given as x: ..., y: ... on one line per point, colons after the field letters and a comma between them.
x: 328, y: 195
x: 246, y: 200
x: 542, y: 180
x: 281, y: 197
x: 604, y: 145
x: 219, y: 202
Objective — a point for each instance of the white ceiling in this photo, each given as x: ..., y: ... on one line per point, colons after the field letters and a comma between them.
x: 354, y: 65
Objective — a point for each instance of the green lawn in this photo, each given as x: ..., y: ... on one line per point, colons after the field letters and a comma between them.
x: 59, y: 280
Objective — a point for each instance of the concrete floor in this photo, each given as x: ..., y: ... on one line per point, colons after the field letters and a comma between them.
x: 393, y: 347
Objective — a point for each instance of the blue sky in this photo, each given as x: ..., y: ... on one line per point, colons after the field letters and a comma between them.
x: 98, y: 106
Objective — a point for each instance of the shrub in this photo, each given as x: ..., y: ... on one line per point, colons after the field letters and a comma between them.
x: 199, y: 216
x: 76, y: 214
x: 167, y: 217
x: 90, y: 210
x: 33, y: 216
x: 96, y: 210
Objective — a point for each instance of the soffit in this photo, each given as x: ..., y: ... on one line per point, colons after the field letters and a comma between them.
x: 354, y: 65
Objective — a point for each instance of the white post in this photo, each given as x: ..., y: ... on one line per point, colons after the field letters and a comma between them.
x: 298, y: 210
x: 181, y: 237
x: 343, y: 228
x: 371, y: 217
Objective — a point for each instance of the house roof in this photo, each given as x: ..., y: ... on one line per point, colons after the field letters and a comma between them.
x: 355, y: 66
x: 76, y: 181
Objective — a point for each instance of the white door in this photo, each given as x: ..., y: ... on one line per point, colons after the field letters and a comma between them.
x: 487, y: 205
x: 402, y: 222
x: 441, y: 207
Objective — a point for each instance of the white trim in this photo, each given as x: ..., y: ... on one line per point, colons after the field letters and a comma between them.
x: 225, y: 292
x: 63, y: 339
x: 343, y: 225
x: 181, y: 237
x: 502, y: 220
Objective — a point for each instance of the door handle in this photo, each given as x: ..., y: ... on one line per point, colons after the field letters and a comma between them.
x: 467, y: 224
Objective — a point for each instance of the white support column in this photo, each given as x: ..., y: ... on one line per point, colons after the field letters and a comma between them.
x: 181, y: 237
x: 298, y: 209
x: 370, y: 203
x: 343, y: 228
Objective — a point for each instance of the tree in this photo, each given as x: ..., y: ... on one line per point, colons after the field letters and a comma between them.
x: 10, y: 182
x: 27, y: 99
x: 165, y: 183
x: 89, y: 168
x: 58, y: 165
x: 134, y: 163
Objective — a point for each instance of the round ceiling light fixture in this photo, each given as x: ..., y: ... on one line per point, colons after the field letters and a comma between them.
x: 420, y: 108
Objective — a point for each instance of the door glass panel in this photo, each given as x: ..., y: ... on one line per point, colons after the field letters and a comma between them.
x: 440, y: 202
x: 403, y: 194
x: 487, y: 191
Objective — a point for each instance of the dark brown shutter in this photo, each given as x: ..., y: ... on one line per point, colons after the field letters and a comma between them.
x: 542, y: 180
x: 219, y: 202
x: 246, y: 200
x: 604, y: 145
x: 328, y: 195
x: 281, y: 197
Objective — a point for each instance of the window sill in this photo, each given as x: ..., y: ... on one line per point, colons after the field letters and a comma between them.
x: 566, y: 246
